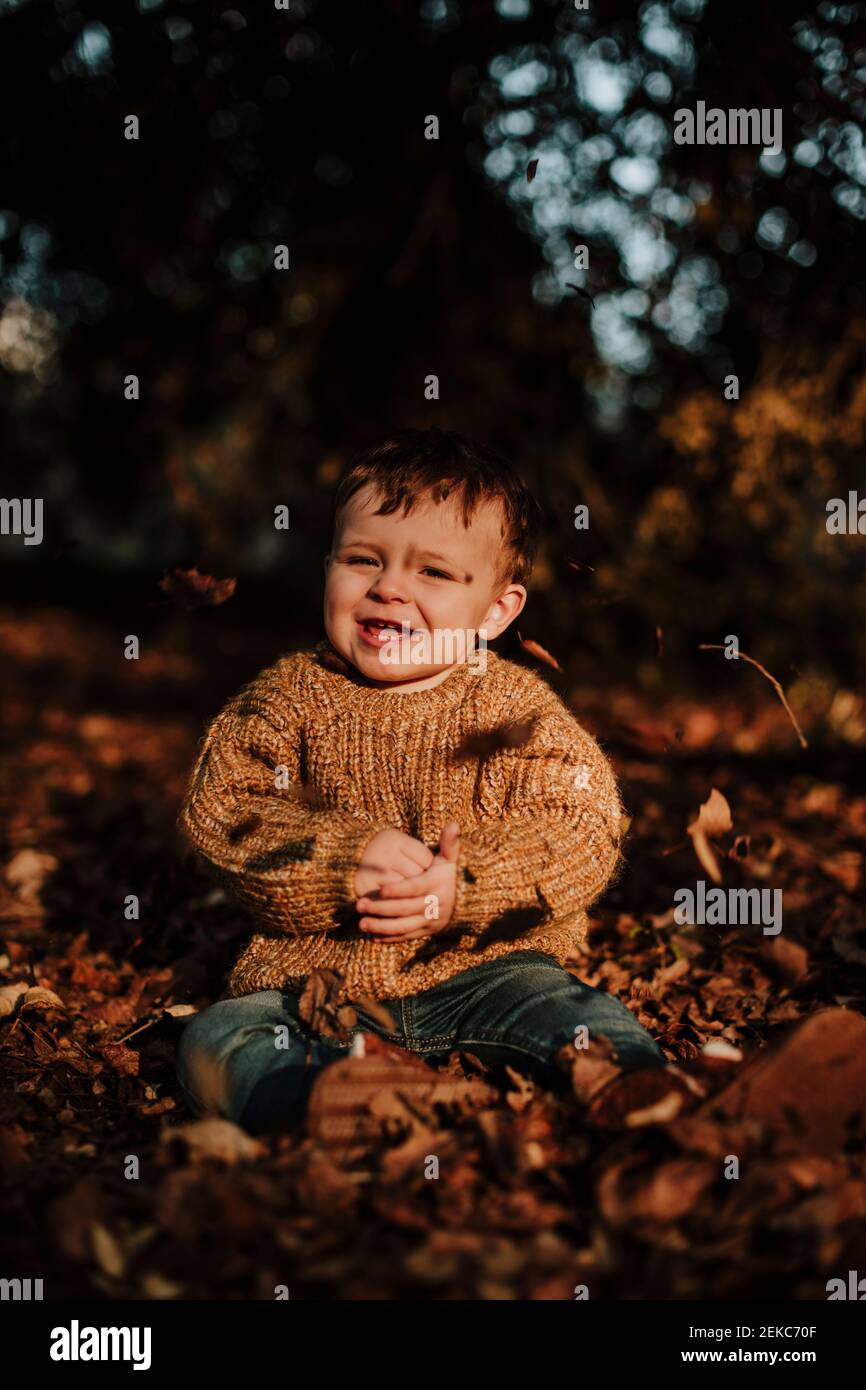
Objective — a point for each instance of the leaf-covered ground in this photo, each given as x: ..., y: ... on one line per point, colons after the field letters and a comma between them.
x: 621, y: 1185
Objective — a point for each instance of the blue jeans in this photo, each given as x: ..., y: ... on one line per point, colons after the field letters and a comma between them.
x: 518, y: 1009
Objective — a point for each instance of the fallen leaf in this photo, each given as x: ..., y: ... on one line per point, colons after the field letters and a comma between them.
x: 717, y: 1047
x: 154, y: 1285
x: 107, y: 1253
x: 217, y: 1138
x: 659, y: 1113
x: 9, y: 996
x: 46, y: 998
x: 122, y: 1058
x: 790, y: 958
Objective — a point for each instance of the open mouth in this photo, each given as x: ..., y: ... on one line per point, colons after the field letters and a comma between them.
x: 379, y: 630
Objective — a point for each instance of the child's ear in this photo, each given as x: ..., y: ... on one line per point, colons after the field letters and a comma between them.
x: 507, y: 607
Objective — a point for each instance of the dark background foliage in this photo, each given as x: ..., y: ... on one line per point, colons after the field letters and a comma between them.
x: 409, y: 257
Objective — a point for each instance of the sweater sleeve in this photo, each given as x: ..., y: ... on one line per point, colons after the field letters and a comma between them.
x: 247, y: 813
x: 553, y: 824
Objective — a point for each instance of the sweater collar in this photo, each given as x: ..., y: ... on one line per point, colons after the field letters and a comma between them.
x: 349, y: 685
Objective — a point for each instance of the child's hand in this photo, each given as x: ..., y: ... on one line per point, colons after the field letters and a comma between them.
x: 396, y: 912
x: 390, y: 857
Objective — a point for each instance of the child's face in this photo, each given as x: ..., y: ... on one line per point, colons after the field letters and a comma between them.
x: 426, y: 570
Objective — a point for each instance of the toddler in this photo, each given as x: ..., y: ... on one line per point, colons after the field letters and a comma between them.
x: 405, y: 808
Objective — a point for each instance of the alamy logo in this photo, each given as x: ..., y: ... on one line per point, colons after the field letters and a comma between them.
x: 846, y: 519
x: 445, y: 647
x: 855, y: 1288
x: 738, y: 126
x: 729, y: 907
x: 76, y: 1343
x: 20, y: 1289
x: 22, y: 516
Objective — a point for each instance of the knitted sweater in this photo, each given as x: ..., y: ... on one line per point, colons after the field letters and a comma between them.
x: 307, y: 763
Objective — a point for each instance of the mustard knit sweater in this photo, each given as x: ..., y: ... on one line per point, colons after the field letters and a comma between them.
x: 307, y: 763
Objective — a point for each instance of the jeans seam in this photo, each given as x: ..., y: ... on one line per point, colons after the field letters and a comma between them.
x: 407, y: 1020
x: 461, y: 1044
x: 465, y: 1043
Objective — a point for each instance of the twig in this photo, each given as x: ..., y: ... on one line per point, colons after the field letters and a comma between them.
x: 150, y: 1024
x: 742, y: 656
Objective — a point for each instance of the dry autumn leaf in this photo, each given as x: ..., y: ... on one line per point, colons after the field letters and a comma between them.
x: 490, y: 741
x: 11, y: 996
x: 190, y: 589
x: 215, y: 1138
x: 535, y: 649
x: 713, y: 818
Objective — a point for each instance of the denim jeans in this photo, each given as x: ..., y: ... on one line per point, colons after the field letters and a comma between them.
x: 518, y: 1009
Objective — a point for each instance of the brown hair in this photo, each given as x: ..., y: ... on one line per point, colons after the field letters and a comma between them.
x: 415, y: 462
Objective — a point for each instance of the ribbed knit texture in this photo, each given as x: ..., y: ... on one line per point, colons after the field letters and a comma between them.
x: 540, y: 822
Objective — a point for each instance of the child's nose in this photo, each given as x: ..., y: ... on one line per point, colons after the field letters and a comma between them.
x: 388, y: 587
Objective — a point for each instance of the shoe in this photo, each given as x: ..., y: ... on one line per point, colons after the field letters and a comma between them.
x: 645, y: 1095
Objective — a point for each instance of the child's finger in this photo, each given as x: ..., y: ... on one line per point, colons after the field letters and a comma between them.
x: 449, y: 842
x: 418, y: 855
x: 376, y: 927
x: 409, y: 888
x: 394, y: 907
x: 417, y: 934
x: 409, y: 868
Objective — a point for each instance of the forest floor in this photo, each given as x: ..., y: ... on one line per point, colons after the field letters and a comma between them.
x: 737, y: 1172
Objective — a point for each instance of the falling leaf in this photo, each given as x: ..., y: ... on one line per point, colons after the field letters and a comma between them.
x: 26, y: 874
x: 578, y: 565
x: 530, y: 170
x: 319, y: 1010
x: 660, y: 641
x: 243, y: 828
x: 714, y: 818
x: 490, y: 741
x: 190, y: 589
x: 535, y: 649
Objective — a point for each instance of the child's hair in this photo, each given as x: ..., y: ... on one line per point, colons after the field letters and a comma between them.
x: 416, y: 462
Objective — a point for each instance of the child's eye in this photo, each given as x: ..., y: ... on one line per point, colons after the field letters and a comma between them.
x: 368, y: 560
